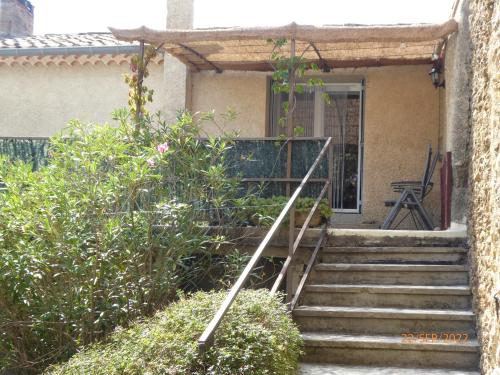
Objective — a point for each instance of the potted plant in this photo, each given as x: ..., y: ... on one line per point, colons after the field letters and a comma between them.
x: 303, y: 207
x: 263, y: 211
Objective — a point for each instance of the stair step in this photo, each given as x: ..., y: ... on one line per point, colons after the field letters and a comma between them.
x: 379, y: 238
x: 369, y: 312
x: 405, y: 296
x: 385, y: 342
x: 444, y: 255
x: 395, y: 289
x: 405, y: 274
x: 370, y: 320
x: 389, y: 267
x: 389, y: 350
x: 333, y: 369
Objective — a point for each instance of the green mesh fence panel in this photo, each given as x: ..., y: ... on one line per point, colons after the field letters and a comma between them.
x: 267, y: 158
x: 29, y: 150
x: 247, y: 158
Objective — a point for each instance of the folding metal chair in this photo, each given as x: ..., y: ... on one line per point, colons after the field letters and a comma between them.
x: 412, y: 195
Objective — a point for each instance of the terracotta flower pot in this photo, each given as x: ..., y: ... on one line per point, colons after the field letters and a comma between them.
x: 300, y: 218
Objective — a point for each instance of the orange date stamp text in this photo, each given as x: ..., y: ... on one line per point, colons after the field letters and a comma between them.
x: 434, y: 337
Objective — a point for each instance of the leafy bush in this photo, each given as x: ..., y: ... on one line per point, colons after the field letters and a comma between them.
x: 257, y: 336
x: 103, y: 234
x: 263, y: 211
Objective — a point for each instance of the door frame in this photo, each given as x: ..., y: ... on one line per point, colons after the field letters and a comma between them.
x: 356, y: 85
x: 319, y: 131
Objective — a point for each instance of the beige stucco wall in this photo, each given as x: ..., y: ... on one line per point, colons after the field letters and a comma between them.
x: 38, y: 101
x: 402, y: 117
x: 243, y: 92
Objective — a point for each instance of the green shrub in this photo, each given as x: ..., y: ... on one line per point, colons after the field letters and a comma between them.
x: 104, y: 233
x: 263, y: 211
x: 257, y: 336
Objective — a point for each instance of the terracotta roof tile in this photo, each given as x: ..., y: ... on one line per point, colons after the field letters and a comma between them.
x: 63, y: 40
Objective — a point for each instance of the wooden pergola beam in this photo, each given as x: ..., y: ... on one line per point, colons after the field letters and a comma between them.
x: 325, y: 67
x: 201, y: 57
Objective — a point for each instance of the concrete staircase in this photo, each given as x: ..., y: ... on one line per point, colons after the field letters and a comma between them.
x: 367, y: 294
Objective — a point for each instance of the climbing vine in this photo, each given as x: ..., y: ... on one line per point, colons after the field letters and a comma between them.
x: 139, y: 94
x: 287, y: 69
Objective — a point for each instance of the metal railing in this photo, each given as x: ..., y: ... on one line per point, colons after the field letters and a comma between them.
x: 206, y: 339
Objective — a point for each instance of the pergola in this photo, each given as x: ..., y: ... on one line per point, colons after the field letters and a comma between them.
x: 249, y: 49
x: 330, y: 47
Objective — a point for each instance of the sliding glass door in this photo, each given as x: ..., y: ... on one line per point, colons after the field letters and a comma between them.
x: 333, y: 110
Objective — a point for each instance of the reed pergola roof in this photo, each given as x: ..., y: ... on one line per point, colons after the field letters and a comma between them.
x: 330, y: 46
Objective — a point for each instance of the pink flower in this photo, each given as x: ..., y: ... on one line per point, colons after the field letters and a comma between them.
x: 151, y: 162
x: 162, y: 148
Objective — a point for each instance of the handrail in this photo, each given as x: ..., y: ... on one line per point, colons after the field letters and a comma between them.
x: 310, y: 265
x: 296, y: 244
x: 206, y: 337
x: 280, y: 179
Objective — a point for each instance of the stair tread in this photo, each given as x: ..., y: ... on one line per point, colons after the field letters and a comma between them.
x: 387, y: 342
x: 394, y: 289
x: 383, y: 312
x: 332, y: 369
x: 394, y: 249
x: 389, y: 267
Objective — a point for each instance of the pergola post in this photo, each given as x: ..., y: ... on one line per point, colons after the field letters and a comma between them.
x: 289, y: 114
x: 290, y: 134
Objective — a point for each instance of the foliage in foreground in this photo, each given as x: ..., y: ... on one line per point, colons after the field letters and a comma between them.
x: 80, y: 247
x: 257, y: 336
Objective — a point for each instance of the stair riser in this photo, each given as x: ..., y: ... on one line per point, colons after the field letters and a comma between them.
x: 396, y: 241
x: 425, y: 278
x: 417, y: 301
x: 393, y: 326
x: 401, y: 258
x: 388, y: 357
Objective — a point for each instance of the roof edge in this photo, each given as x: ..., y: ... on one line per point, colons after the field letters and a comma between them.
x: 54, y: 51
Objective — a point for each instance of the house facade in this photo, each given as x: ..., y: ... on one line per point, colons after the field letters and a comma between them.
x: 383, y: 109
x: 387, y: 112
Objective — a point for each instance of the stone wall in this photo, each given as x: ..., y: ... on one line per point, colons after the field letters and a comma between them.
x: 484, y: 210
x: 455, y: 127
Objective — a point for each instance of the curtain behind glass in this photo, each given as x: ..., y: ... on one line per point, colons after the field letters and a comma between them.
x: 303, y: 113
x: 341, y: 122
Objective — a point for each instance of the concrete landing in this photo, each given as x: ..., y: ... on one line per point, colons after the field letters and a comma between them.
x: 459, y: 232
x: 322, y: 369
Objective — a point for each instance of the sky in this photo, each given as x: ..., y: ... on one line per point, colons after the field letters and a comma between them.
x: 72, y: 16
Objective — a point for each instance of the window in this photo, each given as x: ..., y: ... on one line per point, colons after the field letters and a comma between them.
x: 339, y: 117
